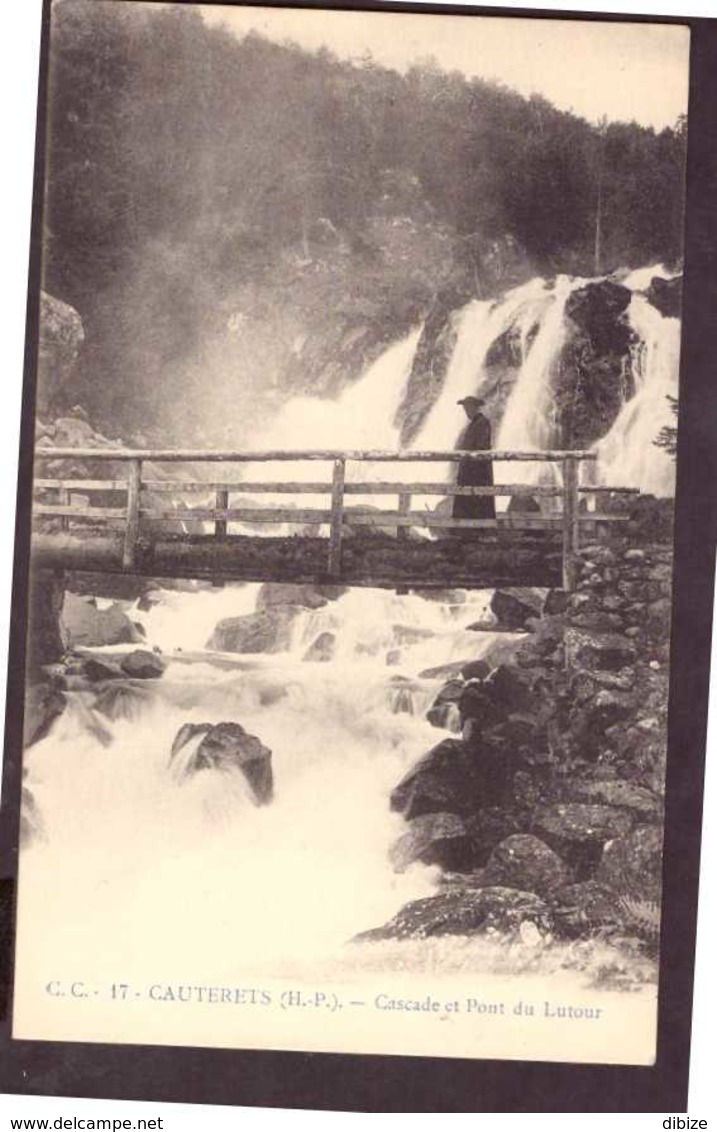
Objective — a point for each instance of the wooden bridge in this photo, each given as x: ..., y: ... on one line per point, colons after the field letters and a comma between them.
x: 134, y: 512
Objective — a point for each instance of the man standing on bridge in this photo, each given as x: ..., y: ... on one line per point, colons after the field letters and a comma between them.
x: 476, y: 437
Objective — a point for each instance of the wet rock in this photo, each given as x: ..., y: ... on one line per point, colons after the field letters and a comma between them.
x: 632, y: 863
x: 577, y: 831
x: 475, y: 670
x: 528, y: 864
x: 433, y: 839
x: 86, y: 625
x: 604, y: 652
x: 42, y: 706
x: 225, y: 747
x: 322, y: 649
x: 123, y: 701
x: 666, y: 296
x: 280, y: 593
x: 513, y: 607
x: 95, y: 669
x: 596, y: 309
x: 268, y: 630
x: 608, y: 708
x: 443, y: 712
x: 143, y: 665
x: 466, y: 912
x: 440, y: 782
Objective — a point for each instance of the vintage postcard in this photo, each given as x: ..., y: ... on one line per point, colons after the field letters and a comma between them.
x: 350, y: 589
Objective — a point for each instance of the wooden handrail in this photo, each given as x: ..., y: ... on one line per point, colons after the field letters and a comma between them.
x: 244, y: 456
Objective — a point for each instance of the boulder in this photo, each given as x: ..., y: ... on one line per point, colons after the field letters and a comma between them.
x: 322, y: 649
x: 604, y: 652
x: 583, y: 908
x: 465, y: 912
x: 489, y: 826
x: 666, y: 296
x: 268, y: 630
x: 528, y: 864
x: 433, y: 839
x: 513, y: 607
x: 305, y: 597
x: 443, y: 712
x: 475, y: 670
x: 123, y: 701
x: 96, y: 670
x: 226, y: 747
x: 439, y: 782
x: 577, y: 831
x: 597, y: 309
x: 632, y: 863
x: 642, y: 803
x: 86, y: 625
x: 143, y: 665
x: 42, y: 705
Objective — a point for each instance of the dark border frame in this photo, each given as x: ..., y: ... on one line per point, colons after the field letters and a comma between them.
x: 369, y: 1083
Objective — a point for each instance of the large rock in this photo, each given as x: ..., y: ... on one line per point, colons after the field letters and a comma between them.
x: 123, y: 701
x: 490, y: 826
x: 433, y: 839
x: 43, y: 703
x: 440, y: 782
x: 268, y: 630
x: 666, y: 296
x: 226, y: 747
x: 577, y: 831
x: 143, y: 665
x: 513, y: 607
x: 642, y: 803
x: 583, y: 908
x: 606, y: 652
x: 322, y: 649
x: 305, y: 597
x: 597, y: 309
x: 465, y: 912
x: 632, y: 863
x: 443, y: 712
x: 528, y: 864
x: 86, y: 625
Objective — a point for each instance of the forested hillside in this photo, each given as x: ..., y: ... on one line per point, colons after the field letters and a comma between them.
x: 256, y: 216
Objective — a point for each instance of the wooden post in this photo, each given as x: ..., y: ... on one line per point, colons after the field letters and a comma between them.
x: 134, y: 485
x: 404, y: 506
x: 571, y: 523
x: 63, y: 498
x: 220, y: 525
x: 337, y: 518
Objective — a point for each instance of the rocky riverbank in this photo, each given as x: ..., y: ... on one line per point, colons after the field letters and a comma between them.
x: 546, y: 808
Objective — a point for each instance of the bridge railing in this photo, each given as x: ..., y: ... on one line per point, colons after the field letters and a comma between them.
x: 73, y: 494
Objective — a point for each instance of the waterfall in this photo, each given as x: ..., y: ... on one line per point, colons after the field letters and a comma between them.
x: 627, y: 455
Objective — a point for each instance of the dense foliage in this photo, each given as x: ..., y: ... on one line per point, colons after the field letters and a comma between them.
x: 186, y: 166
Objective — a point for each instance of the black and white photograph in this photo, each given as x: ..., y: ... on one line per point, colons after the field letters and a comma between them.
x: 351, y: 582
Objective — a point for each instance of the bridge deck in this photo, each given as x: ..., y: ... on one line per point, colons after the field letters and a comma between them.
x: 510, y: 558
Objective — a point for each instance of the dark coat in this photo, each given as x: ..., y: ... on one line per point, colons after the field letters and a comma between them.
x: 476, y: 437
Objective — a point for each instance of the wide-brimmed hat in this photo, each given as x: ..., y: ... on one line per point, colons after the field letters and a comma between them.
x: 470, y: 400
